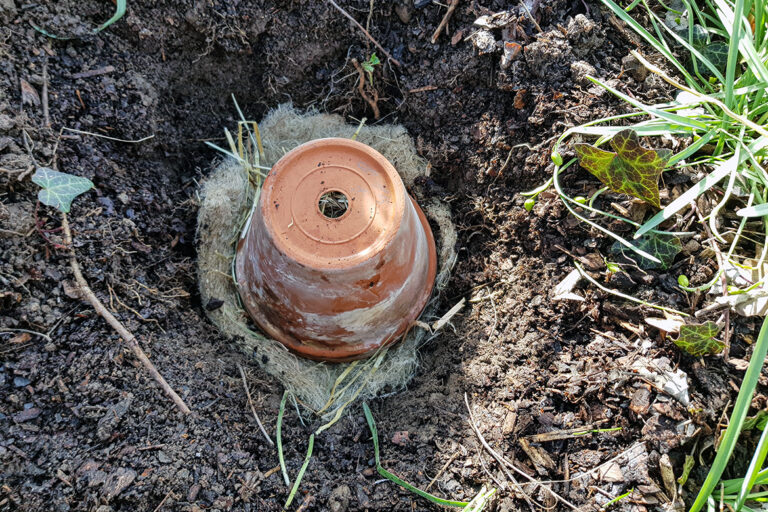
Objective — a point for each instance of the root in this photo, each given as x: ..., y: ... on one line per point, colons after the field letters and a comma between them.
x: 373, y: 102
x: 103, y: 312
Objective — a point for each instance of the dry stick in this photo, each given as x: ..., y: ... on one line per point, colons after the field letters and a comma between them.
x: 45, y: 95
x: 497, y: 456
x: 367, y: 34
x: 504, y: 462
x: 103, y: 312
x: 444, y: 22
x: 253, y: 409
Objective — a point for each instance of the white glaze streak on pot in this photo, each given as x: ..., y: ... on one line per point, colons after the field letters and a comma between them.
x: 369, y: 279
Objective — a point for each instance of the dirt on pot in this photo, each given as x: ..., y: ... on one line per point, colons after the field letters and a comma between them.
x: 82, y: 427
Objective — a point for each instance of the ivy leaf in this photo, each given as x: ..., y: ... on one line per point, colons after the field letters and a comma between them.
x: 717, y: 54
x: 629, y: 168
x: 58, y: 189
x: 699, y: 339
x: 663, y: 247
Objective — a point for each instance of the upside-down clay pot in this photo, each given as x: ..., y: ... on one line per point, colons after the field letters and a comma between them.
x: 337, y: 259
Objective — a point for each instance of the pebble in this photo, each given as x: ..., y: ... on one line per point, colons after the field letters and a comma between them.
x: 20, y: 382
x: 27, y: 415
x: 117, y: 482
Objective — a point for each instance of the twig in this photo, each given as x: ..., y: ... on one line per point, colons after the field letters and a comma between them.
x: 253, y: 409
x: 107, y: 137
x: 531, y: 15
x: 442, y: 470
x: 373, y: 102
x: 45, y: 95
x: 124, y: 333
x: 163, y: 502
x: 367, y: 34
x: 504, y: 462
x: 499, y: 458
x: 444, y: 22
x: 12, y: 330
x: 308, y: 500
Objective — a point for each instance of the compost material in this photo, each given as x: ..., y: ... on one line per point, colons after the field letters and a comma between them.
x: 227, y: 199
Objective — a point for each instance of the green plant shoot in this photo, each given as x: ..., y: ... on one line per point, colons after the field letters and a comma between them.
x: 369, y: 65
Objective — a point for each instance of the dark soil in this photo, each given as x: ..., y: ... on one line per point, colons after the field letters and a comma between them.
x: 83, y: 427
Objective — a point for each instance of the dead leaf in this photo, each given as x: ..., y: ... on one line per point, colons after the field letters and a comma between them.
x: 29, y: 95
x: 21, y: 338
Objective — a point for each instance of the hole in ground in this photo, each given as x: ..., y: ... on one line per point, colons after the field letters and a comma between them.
x: 333, y: 204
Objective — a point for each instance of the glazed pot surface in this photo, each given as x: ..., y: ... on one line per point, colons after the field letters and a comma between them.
x: 337, y: 260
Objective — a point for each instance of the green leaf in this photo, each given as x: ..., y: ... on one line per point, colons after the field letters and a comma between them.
x: 687, y: 467
x: 58, y: 189
x: 629, y: 168
x: 757, y: 421
x: 374, y: 60
x: 663, y: 247
x: 699, y: 339
x: 717, y: 54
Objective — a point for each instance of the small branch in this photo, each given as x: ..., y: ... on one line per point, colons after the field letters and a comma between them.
x: 124, y: 333
x: 12, y: 330
x: 446, y: 18
x: 373, y: 102
x: 45, y: 95
x: 367, y: 34
x: 253, y: 409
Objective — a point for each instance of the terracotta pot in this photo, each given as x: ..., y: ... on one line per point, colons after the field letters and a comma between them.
x: 337, y: 259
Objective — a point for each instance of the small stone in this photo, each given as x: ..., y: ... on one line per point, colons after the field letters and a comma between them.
x: 163, y: 458
x: 634, y: 68
x: 641, y: 401
x: 192, y: 493
x: 339, y: 499
x: 112, y: 417
x: 691, y: 247
x: 27, y: 415
x: 7, y: 10
x: 117, y: 482
x: 580, y: 70
x: 6, y: 122
x: 400, y: 438
x: 403, y: 12
x: 484, y: 42
x: 20, y: 382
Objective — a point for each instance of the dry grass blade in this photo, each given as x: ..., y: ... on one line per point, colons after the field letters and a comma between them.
x: 253, y: 409
x: 504, y: 463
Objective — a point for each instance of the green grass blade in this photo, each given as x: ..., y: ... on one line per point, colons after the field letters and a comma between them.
x: 759, y: 210
x: 672, y: 118
x: 634, y: 25
x: 754, y: 468
x: 301, y: 472
x: 721, y: 171
x: 740, y: 409
x: 279, y: 435
x: 389, y: 476
x: 119, y: 12
x: 693, y: 148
